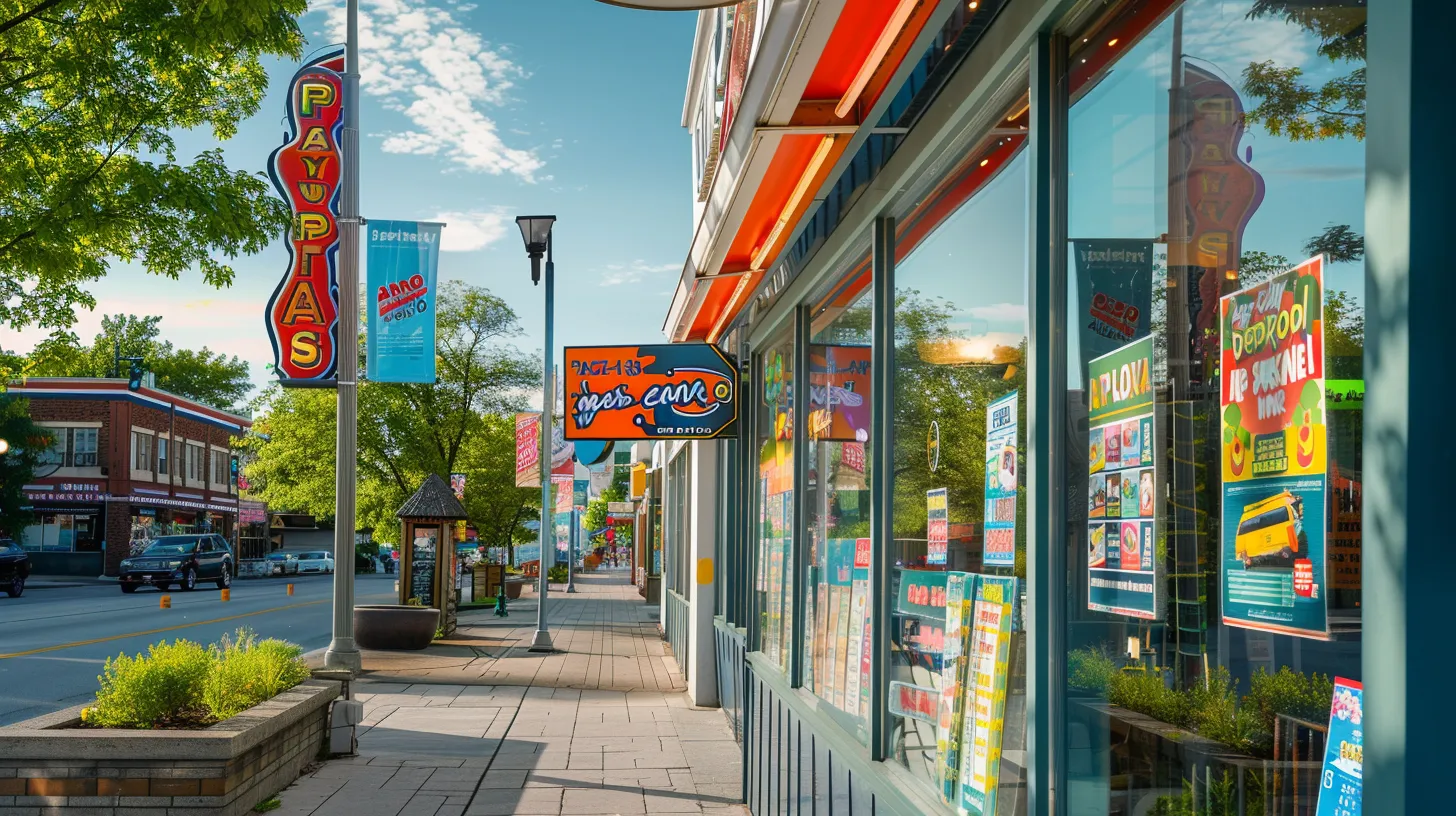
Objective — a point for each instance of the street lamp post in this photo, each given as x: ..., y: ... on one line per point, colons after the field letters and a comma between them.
x: 571, y: 543
x: 343, y: 653
x: 536, y: 232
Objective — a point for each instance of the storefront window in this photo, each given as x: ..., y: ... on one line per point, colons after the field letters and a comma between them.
x: 1215, y: 332
x: 957, y: 691
x: 62, y: 531
x: 836, y: 658
x: 774, y: 580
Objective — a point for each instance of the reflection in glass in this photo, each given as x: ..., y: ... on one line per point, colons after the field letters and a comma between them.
x: 774, y: 579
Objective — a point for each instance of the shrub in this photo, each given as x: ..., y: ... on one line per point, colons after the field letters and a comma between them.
x: 247, y: 671
x: 1090, y: 669
x: 144, y: 691
x: 556, y: 574
x: 1287, y: 692
x: 184, y: 684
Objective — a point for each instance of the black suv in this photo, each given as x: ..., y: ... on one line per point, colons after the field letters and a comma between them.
x: 14, y: 568
x: 179, y: 559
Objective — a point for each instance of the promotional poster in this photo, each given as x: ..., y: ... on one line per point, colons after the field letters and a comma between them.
x: 528, y: 450
x: 1115, y: 292
x: 959, y: 592
x: 1001, y: 481
x: 1122, y: 563
x: 1343, y: 780
x: 839, y: 393
x: 677, y: 391
x: 403, y: 264
x: 937, y: 511
x: 1273, y: 458
x: 988, y: 656
x: 303, y: 311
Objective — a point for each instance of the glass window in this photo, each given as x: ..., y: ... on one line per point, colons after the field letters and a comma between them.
x: 55, y: 455
x: 958, y: 555
x: 836, y: 657
x: 1215, y: 189
x: 83, y: 444
x: 219, y: 467
x: 194, y: 463
x: 774, y: 579
x: 162, y: 456
x: 141, y: 451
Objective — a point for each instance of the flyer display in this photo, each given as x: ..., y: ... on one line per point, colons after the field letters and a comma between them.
x: 1343, y: 779
x: 937, y: 512
x: 913, y: 702
x: 959, y: 592
x: 1122, y: 484
x: 988, y: 657
x: 1001, y: 482
x: 1273, y: 458
x: 856, y: 674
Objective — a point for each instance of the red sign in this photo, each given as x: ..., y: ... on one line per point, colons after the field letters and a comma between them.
x: 304, y: 310
x: 1223, y: 190
x: 678, y: 391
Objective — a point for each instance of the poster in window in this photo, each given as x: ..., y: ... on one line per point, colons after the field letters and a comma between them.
x: 988, y: 654
x: 1122, y: 520
x: 1273, y: 455
x: 856, y: 681
x: 937, y: 511
x: 1343, y: 779
x: 1001, y: 482
x: 959, y: 593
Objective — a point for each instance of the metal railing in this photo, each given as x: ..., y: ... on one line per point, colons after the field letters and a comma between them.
x: 675, y: 630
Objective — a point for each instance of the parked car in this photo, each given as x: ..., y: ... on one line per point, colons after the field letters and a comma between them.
x: 316, y: 562
x: 14, y: 568
x: 282, y: 564
x: 183, y: 560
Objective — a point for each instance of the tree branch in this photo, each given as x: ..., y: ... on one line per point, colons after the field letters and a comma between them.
x: 45, y: 5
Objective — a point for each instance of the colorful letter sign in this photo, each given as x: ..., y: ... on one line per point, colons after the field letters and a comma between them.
x: 303, y: 313
x: 1274, y: 480
x: 1122, y: 483
x: 681, y: 391
x: 404, y: 259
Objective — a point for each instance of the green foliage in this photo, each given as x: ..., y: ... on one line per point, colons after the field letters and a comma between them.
x: 145, y: 691
x: 92, y: 97
x: 1291, y: 107
x: 1220, y: 797
x: 1291, y: 693
x: 185, y: 683
x: 556, y: 574
x: 271, y: 803
x: 1090, y: 669
x: 213, y: 379
x: 246, y: 671
x: 1339, y: 242
x: 27, y: 442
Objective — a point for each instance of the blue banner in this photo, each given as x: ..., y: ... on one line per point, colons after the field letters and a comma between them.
x: 1343, y: 781
x: 404, y: 261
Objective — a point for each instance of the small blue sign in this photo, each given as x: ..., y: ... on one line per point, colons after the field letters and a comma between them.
x: 1343, y: 778
x: 404, y: 261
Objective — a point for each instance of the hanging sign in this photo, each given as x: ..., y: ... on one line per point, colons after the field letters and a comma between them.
x: 1121, y: 486
x: 303, y: 312
x: 457, y: 485
x: 839, y: 393
x: 1343, y: 780
x: 679, y: 391
x: 1115, y: 290
x: 528, y: 450
x: 404, y: 261
x: 937, y: 526
x: 999, y: 549
x: 1274, y: 467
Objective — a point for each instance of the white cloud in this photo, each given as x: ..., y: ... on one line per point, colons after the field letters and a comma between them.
x: 635, y: 272
x: 469, y: 231
x: 998, y: 312
x: 440, y: 76
x: 1221, y: 37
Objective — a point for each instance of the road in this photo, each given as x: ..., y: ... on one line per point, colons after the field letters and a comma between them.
x: 54, y: 642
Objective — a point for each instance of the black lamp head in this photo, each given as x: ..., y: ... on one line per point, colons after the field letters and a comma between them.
x: 536, y: 233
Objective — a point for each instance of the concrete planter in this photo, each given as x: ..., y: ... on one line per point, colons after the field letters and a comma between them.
x: 395, y: 628
x: 49, y: 765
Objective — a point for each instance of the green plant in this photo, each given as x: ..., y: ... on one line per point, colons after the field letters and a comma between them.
x: 1291, y: 693
x: 556, y: 574
x: 143, y: 691
x: 413, y: 602
x: 247, y: 671
x: 1090, y: 669
x: 439, y: 633
x: 1220, y: 797
x: 271, y: 803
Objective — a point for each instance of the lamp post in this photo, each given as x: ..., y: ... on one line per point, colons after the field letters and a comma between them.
x: 343, y: 653
x: 536, y: 232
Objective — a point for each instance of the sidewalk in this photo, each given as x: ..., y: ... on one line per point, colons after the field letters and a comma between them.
x: 478, y: 726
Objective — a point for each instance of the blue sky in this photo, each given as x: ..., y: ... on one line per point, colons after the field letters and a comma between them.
x: 473, y: 114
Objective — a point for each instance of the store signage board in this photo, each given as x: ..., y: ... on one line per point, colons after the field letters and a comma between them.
x: 1275, y: 500
x: 403, y: 264
x: 922, y: 594
x: 1343, y: 780
x: 303, y: 312
x: 1002, y: 468
x: 675, y: 391
x: 1121, y: 544
x: 528, y: 450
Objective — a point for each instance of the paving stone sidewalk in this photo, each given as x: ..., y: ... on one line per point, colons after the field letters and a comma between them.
x: 479, y: 726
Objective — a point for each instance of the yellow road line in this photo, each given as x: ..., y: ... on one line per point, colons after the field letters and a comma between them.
x: 158, y: 631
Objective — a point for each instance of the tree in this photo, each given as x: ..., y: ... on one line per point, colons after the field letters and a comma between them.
x: 26, y: 441
x: 1339, y: 242
x: 1291, y: 107
x: 91, y: 97
x: 202, y: 375
x: 291, y: 451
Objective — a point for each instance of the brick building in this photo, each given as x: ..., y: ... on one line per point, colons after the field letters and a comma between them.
x: 125, y: 467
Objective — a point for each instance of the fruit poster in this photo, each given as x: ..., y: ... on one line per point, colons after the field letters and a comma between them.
x: 1001, y: 482
x: 988, y: 653
x: 1274, y: 479
x: 937, y: 532
x: 1343, y: 780
x: 1122, y: 499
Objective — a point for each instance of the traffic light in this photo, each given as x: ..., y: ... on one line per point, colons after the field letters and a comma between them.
x: 135, y: 381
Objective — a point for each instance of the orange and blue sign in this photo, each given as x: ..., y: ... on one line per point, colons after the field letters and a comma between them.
x: 679, y: 391
x: 303, y: 313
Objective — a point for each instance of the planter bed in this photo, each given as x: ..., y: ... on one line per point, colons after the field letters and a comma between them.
x: 49, y: 764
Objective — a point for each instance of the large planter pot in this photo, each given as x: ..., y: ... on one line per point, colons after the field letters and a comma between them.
x: 224, y: 769
x: 513, y: 589
x: 395, y: 628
